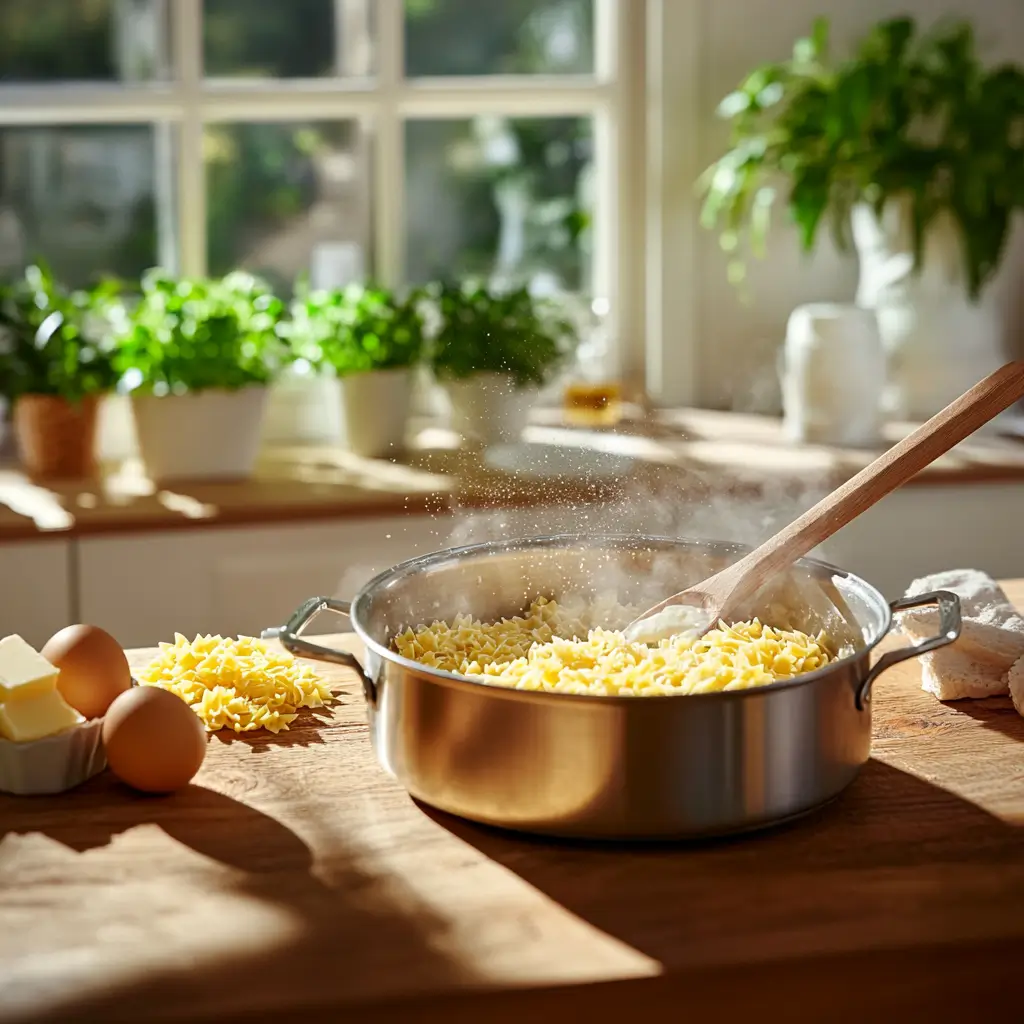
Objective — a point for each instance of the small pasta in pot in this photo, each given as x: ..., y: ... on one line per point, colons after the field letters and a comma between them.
x: 541, y: 651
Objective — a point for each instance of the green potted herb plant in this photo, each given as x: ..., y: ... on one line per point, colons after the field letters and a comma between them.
x: 493, y: 351
x: 55, y: 365
x: 197, y: 357
x: 371, y: 340
x: 911, y: 150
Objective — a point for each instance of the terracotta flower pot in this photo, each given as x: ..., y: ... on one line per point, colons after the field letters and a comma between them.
x: 56, y: 438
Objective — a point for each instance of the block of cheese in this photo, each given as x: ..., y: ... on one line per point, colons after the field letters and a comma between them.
x: 23, y: 671
x: 36, y: 715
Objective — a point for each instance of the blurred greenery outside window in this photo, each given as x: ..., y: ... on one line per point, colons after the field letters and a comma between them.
x: 507, y: 198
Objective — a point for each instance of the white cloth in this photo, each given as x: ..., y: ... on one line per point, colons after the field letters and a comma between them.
x: 991, y: 640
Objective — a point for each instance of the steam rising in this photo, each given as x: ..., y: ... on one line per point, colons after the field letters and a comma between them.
x: 671, y: 502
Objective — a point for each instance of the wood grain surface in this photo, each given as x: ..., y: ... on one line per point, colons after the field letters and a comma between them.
x: 691, y: 451
x: 295, y: 880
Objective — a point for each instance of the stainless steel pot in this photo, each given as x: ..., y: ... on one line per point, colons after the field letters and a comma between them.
x: 615, y: 767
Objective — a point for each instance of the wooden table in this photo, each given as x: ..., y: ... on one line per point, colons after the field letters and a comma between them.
x: 296, y: 881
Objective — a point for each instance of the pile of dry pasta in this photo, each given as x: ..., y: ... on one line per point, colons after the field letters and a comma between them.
x: 540, y: 651
x: 242, y: 684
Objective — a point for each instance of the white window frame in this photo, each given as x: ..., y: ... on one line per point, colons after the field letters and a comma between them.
x: 671, y: 265
x: 613, y: 97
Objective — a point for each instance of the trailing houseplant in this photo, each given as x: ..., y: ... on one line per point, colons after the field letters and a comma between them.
x: 493, y: 350
x: 56, y: 362
x: 910, y: 149
x: 371, y: 339
x: 197, y: 356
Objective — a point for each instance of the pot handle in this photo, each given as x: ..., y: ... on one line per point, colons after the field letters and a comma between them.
x: 949, y: 630
x: 298, y: 645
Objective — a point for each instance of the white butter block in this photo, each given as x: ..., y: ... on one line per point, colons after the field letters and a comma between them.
x: 23, y: 670
x: 54, y: 764
x: 39, y: 714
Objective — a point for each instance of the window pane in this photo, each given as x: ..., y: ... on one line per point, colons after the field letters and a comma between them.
x: 293, y: 39
x: 286, y: 198
x: 506, y: 198
x: 83, y: 40
x: 499, y: 37
x: 88, y: 199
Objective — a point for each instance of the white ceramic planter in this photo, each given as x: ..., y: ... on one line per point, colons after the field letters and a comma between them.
x: 303, y: 409
x: 116, y: 438
x: 833, y: 374
x: 488, y: 409
x: 376, y: 409
x: 208, y: 435
x: 937, y: 342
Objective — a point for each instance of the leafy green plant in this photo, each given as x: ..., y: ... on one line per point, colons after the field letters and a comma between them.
x: 911, y: 116
x: 186, y: 334
x: 53, y: 342
x: 356, y: 329
x: 478, y: 330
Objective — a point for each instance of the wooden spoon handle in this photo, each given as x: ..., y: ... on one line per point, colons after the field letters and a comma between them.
x: 942, y: 432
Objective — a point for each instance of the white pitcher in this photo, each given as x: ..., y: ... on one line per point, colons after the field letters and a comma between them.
x: 833, y: 374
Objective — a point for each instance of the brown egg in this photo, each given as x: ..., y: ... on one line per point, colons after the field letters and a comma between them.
x: 93, y: 668
x: 155, y: 742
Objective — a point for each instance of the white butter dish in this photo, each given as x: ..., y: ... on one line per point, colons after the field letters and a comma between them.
x: 53, y: 764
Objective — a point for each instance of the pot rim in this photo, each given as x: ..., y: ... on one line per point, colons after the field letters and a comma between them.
x: 625, y: 541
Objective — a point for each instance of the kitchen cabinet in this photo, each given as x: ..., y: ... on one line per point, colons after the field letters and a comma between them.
x: 36, y: 596
x: 144, y: 588
x: 920, y: 530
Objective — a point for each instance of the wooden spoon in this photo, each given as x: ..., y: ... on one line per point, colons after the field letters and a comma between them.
x: 722, y: 595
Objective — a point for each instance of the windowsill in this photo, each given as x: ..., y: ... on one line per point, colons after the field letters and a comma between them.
x: 756, y: 446
x: 682, y: 450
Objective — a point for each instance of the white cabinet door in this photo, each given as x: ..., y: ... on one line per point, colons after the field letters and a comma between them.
x: 35, y: 589
x: 233, y: 581
x: 919, y: 530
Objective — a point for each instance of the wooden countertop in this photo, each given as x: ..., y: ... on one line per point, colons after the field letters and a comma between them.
x: 687, y: 452
x: 296, y: 881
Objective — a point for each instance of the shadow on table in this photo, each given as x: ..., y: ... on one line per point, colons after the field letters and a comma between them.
x: 306, y: 731
x: 329, y: 907
x: 996, y: 713
x: 205, y: 821
x: 895, y: 860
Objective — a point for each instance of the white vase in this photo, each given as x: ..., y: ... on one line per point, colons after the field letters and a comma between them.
x: 487, y: 408
x: 832, y: 374
x: 938, y: 342
x: 200, y: 436
x: 376, y: 408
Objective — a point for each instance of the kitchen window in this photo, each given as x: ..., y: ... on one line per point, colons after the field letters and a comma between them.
x: 405, y: 139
